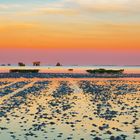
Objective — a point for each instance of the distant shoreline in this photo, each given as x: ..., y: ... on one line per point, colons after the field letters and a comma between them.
x: 66, y: 75
x: 71, y: 69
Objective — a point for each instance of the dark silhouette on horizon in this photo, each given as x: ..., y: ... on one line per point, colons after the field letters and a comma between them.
x: 36, y: 63
x: 21, y: 64
x: 58, y: 64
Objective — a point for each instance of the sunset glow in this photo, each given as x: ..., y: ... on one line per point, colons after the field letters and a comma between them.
x: 62, y: 30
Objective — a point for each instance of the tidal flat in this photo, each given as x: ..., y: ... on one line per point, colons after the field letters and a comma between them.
x: 70, y: 109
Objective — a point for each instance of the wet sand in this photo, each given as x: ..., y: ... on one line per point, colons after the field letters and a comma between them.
x: 70, y: 108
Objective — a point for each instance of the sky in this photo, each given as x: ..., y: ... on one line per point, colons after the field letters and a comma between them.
x: 73, y: 32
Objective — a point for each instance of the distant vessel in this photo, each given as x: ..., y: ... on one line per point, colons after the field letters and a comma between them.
x: 105, y: 71
x: 24, y: 71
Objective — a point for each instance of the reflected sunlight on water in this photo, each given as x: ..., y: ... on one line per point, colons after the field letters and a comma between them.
x: 75, y: 69
x: 60, y: 109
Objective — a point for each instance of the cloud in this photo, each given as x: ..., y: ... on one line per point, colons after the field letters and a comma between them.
x: 9, y: 6
x: 74, y: 7
x: 63, y: 7
x: 58, y: 11
x: 17, y: 26
x: 108, y: 5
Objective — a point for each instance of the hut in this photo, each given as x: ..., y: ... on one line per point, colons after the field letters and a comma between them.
x: 21, y: 64
x: 37, y: 63
x: 58, y: 64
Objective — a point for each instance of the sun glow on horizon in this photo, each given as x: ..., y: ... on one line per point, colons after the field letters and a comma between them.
x: 102, y: 25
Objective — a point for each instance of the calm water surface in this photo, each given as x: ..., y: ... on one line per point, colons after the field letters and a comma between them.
x: 76, y: 69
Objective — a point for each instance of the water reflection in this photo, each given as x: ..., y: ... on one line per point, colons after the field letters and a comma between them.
x: 70, y: 109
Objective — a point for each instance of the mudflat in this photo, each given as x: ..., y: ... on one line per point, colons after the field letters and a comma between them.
x: 69, y: 108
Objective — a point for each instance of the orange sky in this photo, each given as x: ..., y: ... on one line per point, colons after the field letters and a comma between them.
x: 93, y: 36
x: 102, y: 25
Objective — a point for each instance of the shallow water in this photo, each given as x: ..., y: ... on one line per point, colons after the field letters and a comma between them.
x: 62, y: 109
x: 76, y: 69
